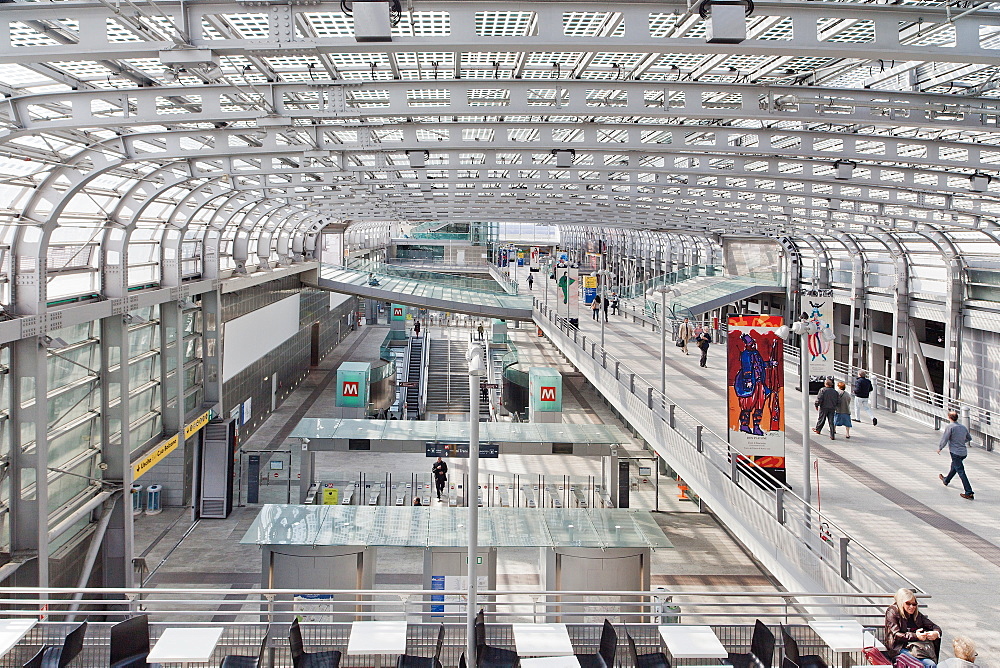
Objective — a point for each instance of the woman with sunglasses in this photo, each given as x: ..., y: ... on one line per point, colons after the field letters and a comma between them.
x: 909, y: 631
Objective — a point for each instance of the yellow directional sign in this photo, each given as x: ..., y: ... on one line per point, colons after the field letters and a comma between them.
x: 153, y: 457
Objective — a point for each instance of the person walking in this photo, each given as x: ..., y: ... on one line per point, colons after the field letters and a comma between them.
x: 704, y: 340
x: 595, y: 307
x: 684, y: 334
x: 862, y: 390
x: 480, y: 331
x: 531, y: 281
x: 416, y: 328
x: 826, y: 403
x: 842, y: 418
x: 614, y: 303
x: 605, y: 305
x: 440, y: 471
x: 956, y: 436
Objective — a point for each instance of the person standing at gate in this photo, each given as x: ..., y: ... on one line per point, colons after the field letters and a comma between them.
x: 440, y: 471
x: 956, y: 436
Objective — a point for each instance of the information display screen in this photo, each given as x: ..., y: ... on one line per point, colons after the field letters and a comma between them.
x: 487, y: 450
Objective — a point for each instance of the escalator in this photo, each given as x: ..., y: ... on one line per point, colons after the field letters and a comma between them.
x: 413, y: 375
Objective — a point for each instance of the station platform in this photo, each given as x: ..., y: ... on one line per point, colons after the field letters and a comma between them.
x: 881, y: 485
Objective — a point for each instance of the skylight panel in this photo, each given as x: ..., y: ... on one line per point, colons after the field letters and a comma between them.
x: 506, y: 23
x: 592, y: 24
x: 423, y: 24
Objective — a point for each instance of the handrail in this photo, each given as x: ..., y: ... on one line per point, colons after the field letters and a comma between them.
x: 501, y: 277
x: 438, y: 278
x: 852, y: 560
x: 185, y: 603
x: 923, y: 405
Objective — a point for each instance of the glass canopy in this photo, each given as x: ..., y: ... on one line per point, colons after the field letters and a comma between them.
x: 408, y: 526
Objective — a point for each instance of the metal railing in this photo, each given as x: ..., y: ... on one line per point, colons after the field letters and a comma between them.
x: 924, y: 406
x: 501, y: 277
x: 770, y: 509
x: 448, y: 280
x: 325, y: 617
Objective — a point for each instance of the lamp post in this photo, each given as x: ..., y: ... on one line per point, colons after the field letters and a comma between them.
x: 662, y: 291
x: 804, y: 328
x: 545, y: 264
x: 603, y: 274
x: 476, y: 371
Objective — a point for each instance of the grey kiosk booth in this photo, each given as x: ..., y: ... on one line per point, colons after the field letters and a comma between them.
x: 311, y: 548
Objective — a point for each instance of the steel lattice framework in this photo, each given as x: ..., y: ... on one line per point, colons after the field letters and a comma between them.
x: 147, y: 150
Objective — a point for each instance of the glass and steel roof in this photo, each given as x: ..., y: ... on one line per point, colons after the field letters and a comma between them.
x: 223, y: 133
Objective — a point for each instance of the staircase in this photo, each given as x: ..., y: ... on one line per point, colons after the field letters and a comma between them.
x: 447, y: 378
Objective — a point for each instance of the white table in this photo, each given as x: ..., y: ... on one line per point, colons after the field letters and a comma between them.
x: 551, y: 662
x: 542, y: 640
x: 841, y: 635
x: 13, y: 630
x: 692, y: 642
x: 377, y: 638
x: 844, y: 636
x: 187, y: 645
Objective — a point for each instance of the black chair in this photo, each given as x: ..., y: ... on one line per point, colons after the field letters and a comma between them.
x: 651, y: 660
x: 303, y: 659
x: 488, y: 655
x: 605, y: 656
x: 130, y: 643
x: 51, y: 656
x: 411, y: 661
x: 240, y: 661
x: 792, y: 653
x: 761, y: 649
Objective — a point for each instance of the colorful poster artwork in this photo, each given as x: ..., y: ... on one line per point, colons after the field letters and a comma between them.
x: 756, y: 392
x: 819, y: 308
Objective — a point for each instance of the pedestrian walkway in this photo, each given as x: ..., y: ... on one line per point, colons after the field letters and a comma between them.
x: 881, y: 485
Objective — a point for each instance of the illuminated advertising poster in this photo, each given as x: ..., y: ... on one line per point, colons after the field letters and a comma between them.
x: 589, y: 289
x: 574, y: 291
x: 534, y: 256
x: 756, y: 392
x: 818, y: 305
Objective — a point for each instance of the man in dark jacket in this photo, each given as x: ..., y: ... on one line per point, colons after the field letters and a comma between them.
x: 440, y: 471
x: 862, y: 390
x: 826, y: 403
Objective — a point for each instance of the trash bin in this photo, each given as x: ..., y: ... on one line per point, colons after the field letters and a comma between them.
x: 136, y: 498
x: 574, y: 322
x: 153, y: 499
x: 664, y: 609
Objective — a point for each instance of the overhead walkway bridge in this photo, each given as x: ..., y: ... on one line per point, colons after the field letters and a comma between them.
x: 438, y: 292
x: 701, y: 294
